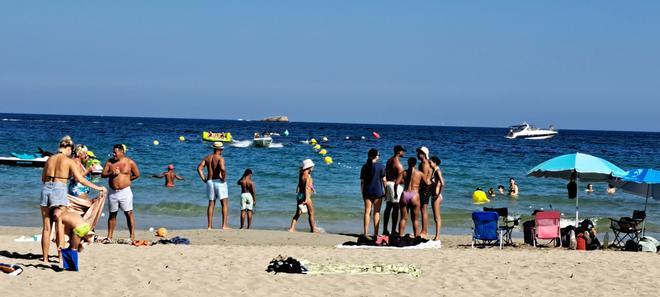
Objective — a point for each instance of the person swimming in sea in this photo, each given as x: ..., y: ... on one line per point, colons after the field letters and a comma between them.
x: 169, y: 176
x: 513, y: 187
x: 589, y: 189
x: 409, y: 201
x: 500, y: 189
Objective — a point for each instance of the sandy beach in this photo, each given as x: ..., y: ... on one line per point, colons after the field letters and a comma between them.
x: 233, y: 263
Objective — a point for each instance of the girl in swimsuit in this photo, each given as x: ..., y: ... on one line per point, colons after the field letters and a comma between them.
x: 437, y: 183
x: 410, y: 198
x: 304, y: 191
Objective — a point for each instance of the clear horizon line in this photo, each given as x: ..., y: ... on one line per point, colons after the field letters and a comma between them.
x: 349, y: 123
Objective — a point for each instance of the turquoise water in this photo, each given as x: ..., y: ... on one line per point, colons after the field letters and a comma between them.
x: 471, y: 157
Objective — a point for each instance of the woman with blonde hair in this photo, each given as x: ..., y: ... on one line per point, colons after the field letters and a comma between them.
x: 80, y: 157
x: 54, y: 178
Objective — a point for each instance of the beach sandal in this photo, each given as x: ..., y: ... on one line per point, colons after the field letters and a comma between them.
x: 11, y: 270
x: 106, y: 241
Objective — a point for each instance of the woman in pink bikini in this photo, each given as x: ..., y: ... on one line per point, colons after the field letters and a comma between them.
x: 305, y: 190
x: 410, y: 198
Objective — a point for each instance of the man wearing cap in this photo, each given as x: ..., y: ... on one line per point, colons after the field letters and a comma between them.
x: 169, y: 176
x: 425, y: 189
x: 121, y: 171
x: 216, y: 183
x: 393, y: 188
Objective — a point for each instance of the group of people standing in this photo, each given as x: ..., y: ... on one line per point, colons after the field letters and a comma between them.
x: 65, y: 176
x: 406, y: 191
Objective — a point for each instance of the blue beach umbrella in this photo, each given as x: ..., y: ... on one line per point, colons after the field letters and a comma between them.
x: 640, y: 182
x: 585, y: 167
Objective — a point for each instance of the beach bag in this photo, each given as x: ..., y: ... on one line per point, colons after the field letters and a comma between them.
x: 649, y: 244
x: 581, y: 242
x: 566, y: 236
x: 572, y: 187
x: 70, y: 259
x: 528, y: 232
x: 631, y: 246
x: 383, y: 240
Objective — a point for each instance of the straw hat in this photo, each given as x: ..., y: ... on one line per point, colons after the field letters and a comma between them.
x: 218, y: 145
x: 161, y: 232
x: 306, y: 164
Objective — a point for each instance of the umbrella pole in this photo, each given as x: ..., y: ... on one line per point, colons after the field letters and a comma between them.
x: 577, y: 202
x: 648, y: 187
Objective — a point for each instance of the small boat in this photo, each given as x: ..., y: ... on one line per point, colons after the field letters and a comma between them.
x: 527, y: 131
x: 262, y: 140
x: 216, y: 136
x: 24, y: 160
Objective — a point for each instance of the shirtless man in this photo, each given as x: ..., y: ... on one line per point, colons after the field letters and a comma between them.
x: 425, y: 190
x: 248, y: 197
x: 54, y: 199
x: 216, y: 183
x: 410, y: 198
x: 393, y: 188
x: 169, y: 176
x: 121, y: 172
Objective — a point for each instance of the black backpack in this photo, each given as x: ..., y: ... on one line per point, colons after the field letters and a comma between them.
x: 632, y: 246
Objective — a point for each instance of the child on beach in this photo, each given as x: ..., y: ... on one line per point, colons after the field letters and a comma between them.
x: 75, y: 228
x: 248, y: 197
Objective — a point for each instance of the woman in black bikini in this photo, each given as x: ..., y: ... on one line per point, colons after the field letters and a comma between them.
x: 437, y: 184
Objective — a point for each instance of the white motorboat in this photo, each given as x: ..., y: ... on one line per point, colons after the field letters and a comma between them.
x: 262, y: 140
x: 527, y: 131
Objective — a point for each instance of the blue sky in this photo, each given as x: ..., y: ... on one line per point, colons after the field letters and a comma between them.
x: 576, y: 64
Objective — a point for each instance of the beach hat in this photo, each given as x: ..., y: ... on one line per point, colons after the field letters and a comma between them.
x: 306, y: 164
x: 91, y: 154
x: 218, y: 145
x: 170, y: 167
x: 161, y: 232
x: 399, y: 148
x: 424, y: 150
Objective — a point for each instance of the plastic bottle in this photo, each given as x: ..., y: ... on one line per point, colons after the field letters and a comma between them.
x: 606, y: 240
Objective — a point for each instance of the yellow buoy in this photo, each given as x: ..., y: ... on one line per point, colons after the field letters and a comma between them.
x: 313, y: 141
x: 317, y: 147
x: 323, y: 152
x: 181, y: 138
x: 327, y: 160
x: 156, y: 142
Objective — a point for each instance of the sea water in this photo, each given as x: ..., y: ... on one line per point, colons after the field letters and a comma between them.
x: 471, y: 157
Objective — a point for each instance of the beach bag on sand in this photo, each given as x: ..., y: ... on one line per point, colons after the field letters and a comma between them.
x: 383, y: 240
x: 528, y: 232
x: 631, y: 246
x: 288, y: 265
x: 70, y: 259
x: 649, y: 244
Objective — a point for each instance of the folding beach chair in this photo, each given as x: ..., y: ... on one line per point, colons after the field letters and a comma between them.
x: 507, y: 225
x: 547, y: 227
x: 485, y: 229
x: 627, y: 228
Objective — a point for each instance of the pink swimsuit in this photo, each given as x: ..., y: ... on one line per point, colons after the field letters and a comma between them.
x: 408, y: 197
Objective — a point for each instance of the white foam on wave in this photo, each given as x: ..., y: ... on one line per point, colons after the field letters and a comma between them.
x: 11, y: 120
x: 276, y: 145
x: 242, y: 143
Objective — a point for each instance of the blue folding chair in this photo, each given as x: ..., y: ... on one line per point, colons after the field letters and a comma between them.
x: 485, y: 229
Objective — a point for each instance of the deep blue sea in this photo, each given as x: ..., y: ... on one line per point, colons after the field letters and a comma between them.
x: 471, y: 157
